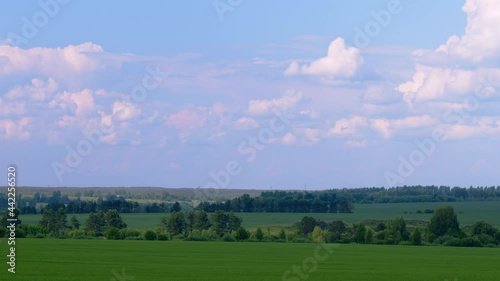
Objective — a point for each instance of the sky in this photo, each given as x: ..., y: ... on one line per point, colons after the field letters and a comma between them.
x: 250, y: 94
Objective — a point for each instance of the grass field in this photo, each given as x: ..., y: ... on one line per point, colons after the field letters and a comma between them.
x: 84, y: 260
x: 468, y: 214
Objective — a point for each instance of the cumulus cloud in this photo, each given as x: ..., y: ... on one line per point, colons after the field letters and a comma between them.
x: 340, y: 62
x: 283, y: 104
x: 187, y: 119
x: 246, y: 123
x: 124, y: 111
x: 15, y: 129
x: 480, y: 39
x: 12, y: 108
x: 38, y: 90
x: 388, y: 127
x: 52, y: 62
x: 79, y: 103
x: 348, y: 126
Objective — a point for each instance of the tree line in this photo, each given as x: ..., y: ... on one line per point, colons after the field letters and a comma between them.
x: 284, y: 202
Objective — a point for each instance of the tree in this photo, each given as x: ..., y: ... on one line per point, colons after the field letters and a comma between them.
x: 220, y: 223
x: 259, y: 235
x: 113, y: 219
x: 359, y: 234
x: 307, y: 224
x: 162, y: 226
x: 416, y: 237
x: 337, y: 228
x: 396, y: 231
x: 369, y: 235
x: 176, y: 223
x: 54, y: 222
x: 112, y: 233
x: 201, y: 220
x: 190, y: 217
x: 96, y: 223
x: 75, y: 224
x: 176, y: 207
x: 444, y: 222
x: 282, y: 234
x: 241, y: 234
x: 482, y: 227
x: 317, y: 234
x: 234, y: 221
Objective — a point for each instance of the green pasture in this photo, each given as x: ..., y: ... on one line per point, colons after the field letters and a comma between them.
x: 84, y: 260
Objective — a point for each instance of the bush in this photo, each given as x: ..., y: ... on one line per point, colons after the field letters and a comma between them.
x: 464, y: 242
x: 150, y: 235
x: 228, y: 238
x: 163, y: 237
x: 241, y: 234
x: 113, y: 233
x: 129, y: 233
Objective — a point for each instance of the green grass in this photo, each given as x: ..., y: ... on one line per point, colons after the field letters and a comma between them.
x: 83, y: 260
x: 468, y: 213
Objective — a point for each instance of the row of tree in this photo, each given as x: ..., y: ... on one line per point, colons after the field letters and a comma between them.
x: 443, y: 228
x: 122, y: 206
x: 284, y: 202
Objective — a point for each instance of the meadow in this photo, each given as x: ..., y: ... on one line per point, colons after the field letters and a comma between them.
x: 468, y: 213
x: 83, y: 260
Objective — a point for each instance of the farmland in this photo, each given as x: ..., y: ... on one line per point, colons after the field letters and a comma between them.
x: 82, y: 260
x: 468, y: 213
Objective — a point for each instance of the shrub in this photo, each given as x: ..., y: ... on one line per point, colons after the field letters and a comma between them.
x: 241, y: 234
x: 112, y: 233
x: 228, y: 238
x: 163, y: 237
x: 464, y: 242
x: 150, y: 235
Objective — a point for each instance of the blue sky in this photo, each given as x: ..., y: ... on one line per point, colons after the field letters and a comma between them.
x: 250, y: 94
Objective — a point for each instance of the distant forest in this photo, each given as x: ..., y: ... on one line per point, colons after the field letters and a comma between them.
x: 324, y: 201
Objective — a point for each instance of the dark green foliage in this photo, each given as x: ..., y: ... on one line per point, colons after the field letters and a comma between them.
x: 359, y: 234
x: 259, y: 235
x: 150, y: 235
x: 201, y: 220
x: 75, y: 224
x: 444, y: 222
x: 113, y: 233
x: 241, y: 234
x: 113, y: 219
x: 481, y: 227
x: 176, y: 207
x: 307, y: 224
x: 282, y: 234
x: 176, y: 223
x: 416, y: 237
x: 220, y: 223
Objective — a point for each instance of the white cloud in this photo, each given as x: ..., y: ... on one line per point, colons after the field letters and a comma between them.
x: 12, y: 108
x: 283, y: 104
x: 15, y: 130
x: 124, y: 111
x: 246, y: 123
x: 480, y: 40
x: 187, y: 119
x: 53, y: 62
x: 340, y: 62
x: 388, y: 127
x: 288, y: 139
x: 38, y: 90
x: 348, y: 127
x: 80, y: 103
x: 356, y: 143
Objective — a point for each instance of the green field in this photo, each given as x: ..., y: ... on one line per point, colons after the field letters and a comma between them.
x: 84, y: 260
x: 468, y: 213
